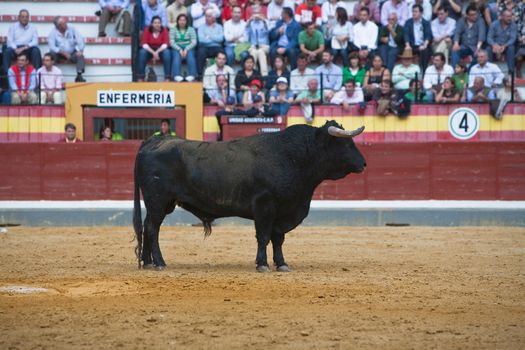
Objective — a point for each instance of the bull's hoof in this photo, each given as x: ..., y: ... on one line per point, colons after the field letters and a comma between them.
x: 263, y: 268
x: 160, y: 268
x: 148, y: 266
x: 283, y: 268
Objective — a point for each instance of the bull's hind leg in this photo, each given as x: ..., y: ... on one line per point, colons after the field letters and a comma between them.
x: 278, y: 257
x: 152, y: 226
x: 147, y: 259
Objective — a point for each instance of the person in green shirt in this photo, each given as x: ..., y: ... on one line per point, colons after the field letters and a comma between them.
x: 355, y: 71
x: 460, y: 78
x: 165, y: 129
x: 411, y: 94
x: 311, y: 42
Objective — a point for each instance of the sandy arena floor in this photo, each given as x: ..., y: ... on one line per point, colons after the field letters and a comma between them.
x: 366, y: 288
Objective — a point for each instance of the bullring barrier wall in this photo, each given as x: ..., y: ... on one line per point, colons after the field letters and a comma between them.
x: 396, y: 171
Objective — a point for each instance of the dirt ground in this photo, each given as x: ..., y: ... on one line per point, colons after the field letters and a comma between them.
x: 366, y: 288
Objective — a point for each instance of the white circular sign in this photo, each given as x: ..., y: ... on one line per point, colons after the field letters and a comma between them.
x: 463, y: 123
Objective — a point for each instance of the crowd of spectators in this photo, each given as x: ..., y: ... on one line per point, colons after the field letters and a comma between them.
x: 268, y: 54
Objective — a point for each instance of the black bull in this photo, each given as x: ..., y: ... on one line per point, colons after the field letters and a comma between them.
x: 267, y: 178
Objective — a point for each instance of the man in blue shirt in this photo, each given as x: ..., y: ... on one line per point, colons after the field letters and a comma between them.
x: 211, y: 36
x: 66, y: 42
x: 151, y: 9
x: 284, y: 37
x: 22, y: 36
x: 502, y: 38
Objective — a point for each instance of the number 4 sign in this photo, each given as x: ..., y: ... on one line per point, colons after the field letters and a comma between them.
x: 463, y: 123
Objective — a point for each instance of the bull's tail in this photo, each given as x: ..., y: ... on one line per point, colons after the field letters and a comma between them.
x: 137, y: 217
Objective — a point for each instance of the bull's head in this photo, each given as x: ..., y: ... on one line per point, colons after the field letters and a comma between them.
x: 342, y: 153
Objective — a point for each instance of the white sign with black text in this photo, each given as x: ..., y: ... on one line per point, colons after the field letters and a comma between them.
x: 463, y: 123
x: 127, y: 98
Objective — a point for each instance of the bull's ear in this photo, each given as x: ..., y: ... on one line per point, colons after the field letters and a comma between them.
x: 321, y: 136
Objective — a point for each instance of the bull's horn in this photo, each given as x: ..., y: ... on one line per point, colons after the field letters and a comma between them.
x: 334, y: 131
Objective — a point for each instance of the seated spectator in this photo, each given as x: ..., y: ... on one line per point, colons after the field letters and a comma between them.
x: 105, y: 133
x: 165, y: 129
x: 219, y: 95
x: 256, y: 3
x: 469, y: 36
x: 342, y: 36
x: 453, y: 8
x: 329, y: 15
x: 490, y: 72
x: 385, y: 97
x: 251, y: 96
x: 234, y: 35
x: 309, y: 97
x: 479, y: 92
x: 66, y: 42
x: 22, y: 36
x: 425, y: 4
x: 283, y: 38
x: 443, y: 28
x: 183, y: 41
x: 279, y: 70
x: 311, y: 42
x: 50, y: 81
x: 418, y: 36
x: 501, y: 39
x: 281, y: 97
x: 198, y: 12
x: 520, y: 56
x: 275, y: 10
x: 151, y: 9
x: 227, y: 9
x: 219, y: 67
x: 174, y: 10
x: 416, y: 89
x: 155, y: 44
x: 448, y: 92
x: 374, y: 76
x: 373, y: 10
x: 461, y: 78
x: 211, y: 36
x: 246, y: 76
x: 331, y: 75
x: 118, y: 9
x: 258, y: 38
x: 300, y: 76
x: 365, y: 34
x: 22, y: 81
x: 399, y: 7
x: 350, y: 95
x: 355, y: 70
x: 70, y: 134
x: 405, y: 71
x: 435, y: 75
x: 309, y: 12
x: 391, y: 41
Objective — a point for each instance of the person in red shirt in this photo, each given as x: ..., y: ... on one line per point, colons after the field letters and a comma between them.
x: 264, y: 8
x: 155, y: 44
x: 307, y: 12
x: 227, y: 10
x: 70, y: 135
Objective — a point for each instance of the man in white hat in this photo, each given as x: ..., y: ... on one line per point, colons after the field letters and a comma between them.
x: 405, y: 71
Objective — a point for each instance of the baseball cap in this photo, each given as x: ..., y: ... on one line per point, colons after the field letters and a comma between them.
x: 257, y: 83
x: 282, y: 80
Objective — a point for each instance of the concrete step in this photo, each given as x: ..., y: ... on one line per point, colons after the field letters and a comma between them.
x: 88, y: 29
x: 98, y: 73
x: 51, y: 8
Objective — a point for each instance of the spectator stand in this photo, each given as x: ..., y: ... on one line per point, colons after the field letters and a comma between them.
x: 107, y: 59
